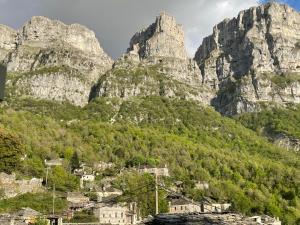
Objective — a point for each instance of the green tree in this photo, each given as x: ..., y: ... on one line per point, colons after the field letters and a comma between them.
x: 63, y: 180
x: 74, y: 161
x: 68, y: 153
x: 11, y: 151
x: 40, y: 221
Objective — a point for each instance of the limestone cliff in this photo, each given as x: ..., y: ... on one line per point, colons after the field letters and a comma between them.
x: 44, y: 49
x: 156, y: 63
x: 164, y: 38
x: 7, y: 40
x: 253, y: 58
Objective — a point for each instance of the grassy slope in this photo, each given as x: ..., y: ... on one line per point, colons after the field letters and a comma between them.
x: 196, y: 142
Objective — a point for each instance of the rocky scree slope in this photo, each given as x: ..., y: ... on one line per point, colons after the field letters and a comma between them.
x: 156, y: 63
x: 51, y: 60
x: 253, y: 58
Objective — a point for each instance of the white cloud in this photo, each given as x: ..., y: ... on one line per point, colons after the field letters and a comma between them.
x: 199, y: 22
x: 115, y: 21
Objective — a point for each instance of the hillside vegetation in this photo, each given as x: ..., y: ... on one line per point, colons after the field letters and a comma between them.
x: 196, y: 143
x: 277, y: 120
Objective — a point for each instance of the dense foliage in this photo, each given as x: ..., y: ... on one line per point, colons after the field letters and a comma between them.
x: 11, y: 151
x: 274, y: 121
x: 195, y: 142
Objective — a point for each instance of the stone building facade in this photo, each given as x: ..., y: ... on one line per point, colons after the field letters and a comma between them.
x: 117, y: 214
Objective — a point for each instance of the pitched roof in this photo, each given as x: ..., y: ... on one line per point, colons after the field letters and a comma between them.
x: 75, y: 195
x: 180, y: 201
x: 27, y: 212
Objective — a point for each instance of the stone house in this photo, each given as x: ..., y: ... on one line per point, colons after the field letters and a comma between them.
x: 13, y: 187
x: 116, y: 213
x: 184, y: 205
x: 55, y: 220
x: 180, y: 205
x: 53, y: 162
x: 106, y: 193
x: 163, y: 171
x: 209, y: 206
x: 83, y: 169
x: 27, y: 215
x: 90, y: 178
x: 267, y: 220
x: 201, y: 185
x: 77, y: 201
x: 216, y: 207
x: 100, y: 166
x: 7, y: 219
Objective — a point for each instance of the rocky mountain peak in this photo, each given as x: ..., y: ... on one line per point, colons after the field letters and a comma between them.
x: 55, y: 61
x: 253, y: 58
x: 156, y: 63
x: 43, y: 42
x: 44, y: 32
x: 164, y: 38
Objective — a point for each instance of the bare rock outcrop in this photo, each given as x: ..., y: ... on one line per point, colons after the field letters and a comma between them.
x: 163, y: 43
x: 44, y: 49
x: 12, y: 187
x: 7, y: 40
x: 156, y: 63
x: 253, y: 58
x: 164, y: 38
x: 212, y: 219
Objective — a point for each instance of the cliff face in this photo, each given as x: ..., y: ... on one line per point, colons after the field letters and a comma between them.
x: 7, y: 41
x: 248, y: 60
x: 253, y: 58
x: 44, y: 49
x: 156, y: 63
x: 164, y: 38
x: 163, y: 43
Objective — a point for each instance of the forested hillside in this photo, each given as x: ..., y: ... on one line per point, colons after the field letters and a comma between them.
x: 196, y: 142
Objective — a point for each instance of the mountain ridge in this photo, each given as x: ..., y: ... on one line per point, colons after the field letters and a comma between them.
x: 152, y: 106
x: 244, y: 62
x: 253, y: 58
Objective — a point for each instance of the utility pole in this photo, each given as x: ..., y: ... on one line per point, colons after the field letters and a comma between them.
x: 53, y: 199
x: 47, y: 171
x: 156, y: 194
x: 100, y: 213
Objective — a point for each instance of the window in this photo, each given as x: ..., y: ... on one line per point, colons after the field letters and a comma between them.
x: 122, y: 215
x: 116, y: 214
x: 181, y: 207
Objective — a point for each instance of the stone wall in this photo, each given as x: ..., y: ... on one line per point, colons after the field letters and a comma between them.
x: 13, y: 187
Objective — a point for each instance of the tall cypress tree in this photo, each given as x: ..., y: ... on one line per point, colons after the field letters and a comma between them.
x: 74, y: 163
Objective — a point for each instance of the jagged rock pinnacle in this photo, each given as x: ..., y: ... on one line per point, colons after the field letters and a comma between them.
x: 164, y: 38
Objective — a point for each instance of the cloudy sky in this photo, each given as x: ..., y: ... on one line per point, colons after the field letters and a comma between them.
x: 115, y: 21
